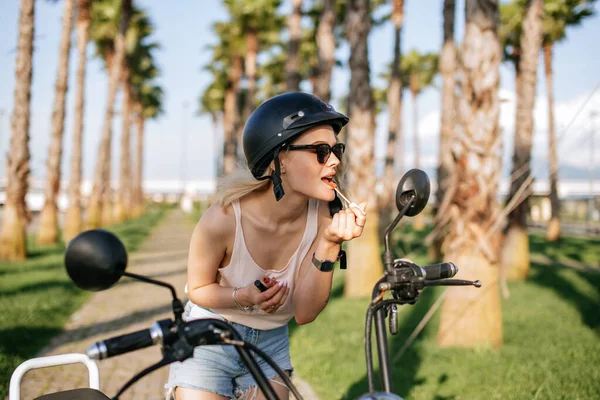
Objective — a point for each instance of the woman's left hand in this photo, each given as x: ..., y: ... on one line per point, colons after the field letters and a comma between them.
x: 347, y: 224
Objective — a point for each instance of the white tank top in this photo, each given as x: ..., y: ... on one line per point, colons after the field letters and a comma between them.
x: 243, y: 270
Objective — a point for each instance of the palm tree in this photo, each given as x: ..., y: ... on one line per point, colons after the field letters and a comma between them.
x: 510, y: 32
x: 146, y: 101
x: 138, y: 64
x: 418, y: 71
x: 99, y: 209
x: 273, y: 74
x: 317, y: 47
x: 447, y: 66
x: 72, y: 224
x: 260, y: 25
x: 212, y: 102
x: 559, y: 14
x: 273, y: 70
x: 394, y: 151
x: 48, y: 231
x: 326, y: 46
x: 293, y: 77
x: 515, y: 254
x: 473, y: 317
x: 13, y: 242
x: 122, y: 207
x: 228, y: 56
x: 309, y: 53
x: 363, y: 252
x: 148, y: 106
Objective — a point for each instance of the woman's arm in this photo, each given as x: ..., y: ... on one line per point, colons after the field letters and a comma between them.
x: 208, y: 247
x: 314, y: 286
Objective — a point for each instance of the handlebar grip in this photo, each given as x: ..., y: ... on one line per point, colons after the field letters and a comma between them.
x: 121, y: 344
x: 440, y: 271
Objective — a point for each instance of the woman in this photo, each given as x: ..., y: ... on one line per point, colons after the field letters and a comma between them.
x: 287, y: 240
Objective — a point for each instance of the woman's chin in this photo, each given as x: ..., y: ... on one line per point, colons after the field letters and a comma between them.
x: 328, y: 195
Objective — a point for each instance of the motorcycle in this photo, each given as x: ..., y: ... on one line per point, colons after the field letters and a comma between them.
x: 96, y: 259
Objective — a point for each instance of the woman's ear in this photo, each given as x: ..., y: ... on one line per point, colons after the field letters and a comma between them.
x: 281, y: 165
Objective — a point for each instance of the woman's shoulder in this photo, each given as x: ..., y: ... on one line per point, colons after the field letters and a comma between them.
x: 217, y: 220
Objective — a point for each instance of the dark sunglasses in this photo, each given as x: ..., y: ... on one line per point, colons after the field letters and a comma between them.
x: 323, y: 150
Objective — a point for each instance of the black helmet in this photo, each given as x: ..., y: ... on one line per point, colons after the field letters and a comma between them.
x: 276, y: 122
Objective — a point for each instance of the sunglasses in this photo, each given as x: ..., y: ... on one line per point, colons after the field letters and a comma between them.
x: 323, y: 150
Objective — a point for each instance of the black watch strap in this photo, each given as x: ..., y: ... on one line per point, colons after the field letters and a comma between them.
x: 324, y: 266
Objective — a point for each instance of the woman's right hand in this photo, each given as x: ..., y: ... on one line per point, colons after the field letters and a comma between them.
x: 271, y: 299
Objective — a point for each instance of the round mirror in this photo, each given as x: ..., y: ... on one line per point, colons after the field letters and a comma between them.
x: 414, y: 183
x: 95, y: 260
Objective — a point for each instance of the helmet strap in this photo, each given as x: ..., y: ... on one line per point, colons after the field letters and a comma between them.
x: 276, y: 177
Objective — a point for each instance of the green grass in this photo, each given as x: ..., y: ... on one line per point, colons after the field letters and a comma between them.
x: 581, y: 249
x: 37, y: 297
x: 551, y: 341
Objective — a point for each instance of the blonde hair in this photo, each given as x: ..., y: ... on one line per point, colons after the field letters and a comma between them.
x: 240, y: 183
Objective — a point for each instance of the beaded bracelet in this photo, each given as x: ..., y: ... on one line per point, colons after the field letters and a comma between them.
x: 245, y: 309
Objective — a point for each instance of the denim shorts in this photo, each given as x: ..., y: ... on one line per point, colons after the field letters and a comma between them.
x: 219, y: 368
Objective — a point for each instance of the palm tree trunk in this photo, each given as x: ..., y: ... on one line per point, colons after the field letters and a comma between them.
x: 326, y: 51
x: 394, y: 105
x: 447, y: 66
x: 13, y: 243
x: 229, y: 131
x: 473, y: 317
x: 415, y: 128
x: 123, y: 206
x: 418, y: 221
x: 216, y: 125
x: 138, y: 186
x: 99, y: 203
x: 107, y: 217
x: 48, y: 231
x: 553, y: 232
x: 250, y: 66
x: 363, y: 252
x: 231, y: 116
x: 515, y: 253
x: 293, y: 61
x: 72, y: 224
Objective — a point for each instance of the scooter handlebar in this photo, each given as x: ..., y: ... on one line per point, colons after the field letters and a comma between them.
x: 125, y: 343
x: 440, y: 271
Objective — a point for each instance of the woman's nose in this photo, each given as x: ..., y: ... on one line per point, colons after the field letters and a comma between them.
x: 333, y: 160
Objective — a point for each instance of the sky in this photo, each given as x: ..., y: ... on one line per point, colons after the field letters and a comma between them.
x: 180, y: 144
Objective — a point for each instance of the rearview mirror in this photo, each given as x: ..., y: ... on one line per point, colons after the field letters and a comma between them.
x: 414, y: 183
x: 95, y: 260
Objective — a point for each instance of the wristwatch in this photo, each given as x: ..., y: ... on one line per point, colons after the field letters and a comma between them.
x: 326, y: 265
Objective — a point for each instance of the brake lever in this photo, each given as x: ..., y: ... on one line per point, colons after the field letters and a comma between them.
x: 452, y: 282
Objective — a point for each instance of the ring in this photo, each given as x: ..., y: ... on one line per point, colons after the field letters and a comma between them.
x: 272, y: 307
x: 362, y: 226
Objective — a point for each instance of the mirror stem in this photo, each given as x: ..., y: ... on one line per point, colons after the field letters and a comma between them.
x: 177, y: 305
x: 388, y: 257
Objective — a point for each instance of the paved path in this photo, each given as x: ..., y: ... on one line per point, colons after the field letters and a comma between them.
x: 127, y: 307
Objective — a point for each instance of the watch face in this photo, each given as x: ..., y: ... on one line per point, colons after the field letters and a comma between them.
x: 327, y: 266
